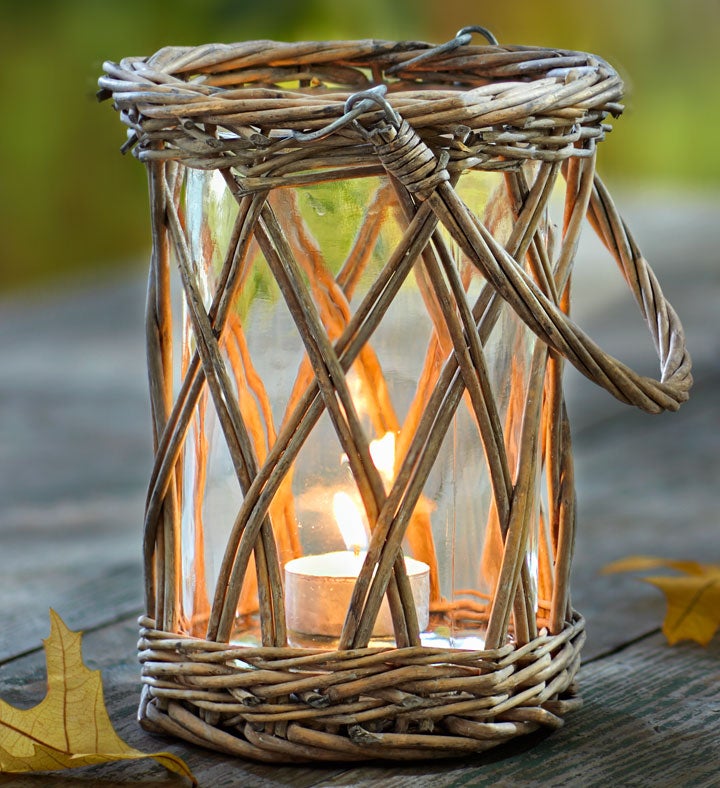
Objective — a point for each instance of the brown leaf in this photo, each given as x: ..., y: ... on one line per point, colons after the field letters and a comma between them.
x: 693, y: 598
x: 70, y: 727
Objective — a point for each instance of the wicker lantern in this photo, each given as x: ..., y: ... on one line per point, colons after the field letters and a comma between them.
x: 361, y: 514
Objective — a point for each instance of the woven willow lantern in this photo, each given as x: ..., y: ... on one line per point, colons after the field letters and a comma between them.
x: 361, y: 514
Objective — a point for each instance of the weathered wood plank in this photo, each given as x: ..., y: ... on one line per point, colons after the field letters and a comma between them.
x: 74, y: 416
x: 650, y: 718
x: 90, y: 597
x: 645, y: 486
x: 82, y: 560
x: 74, y: 457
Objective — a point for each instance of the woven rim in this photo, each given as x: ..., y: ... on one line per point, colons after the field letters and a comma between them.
x: 518, y: 103
x: 290, y: 704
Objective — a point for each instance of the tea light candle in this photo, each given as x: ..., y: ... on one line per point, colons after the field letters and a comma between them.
x: 318, y: 589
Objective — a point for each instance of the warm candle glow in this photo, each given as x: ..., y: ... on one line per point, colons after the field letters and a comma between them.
x: 346, y: 512
x: 319, y: 588
x: 349, y: 522
x: 382, y: 452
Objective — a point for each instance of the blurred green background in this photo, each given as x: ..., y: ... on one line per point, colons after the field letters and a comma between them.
x: 71, y: 205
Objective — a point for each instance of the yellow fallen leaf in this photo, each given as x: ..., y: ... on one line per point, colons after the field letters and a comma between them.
x: 693, y: 606
x: 693, y: 598
x: 70, y: 727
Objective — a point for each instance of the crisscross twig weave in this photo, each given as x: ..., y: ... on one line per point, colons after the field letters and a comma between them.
x: 274, y: 118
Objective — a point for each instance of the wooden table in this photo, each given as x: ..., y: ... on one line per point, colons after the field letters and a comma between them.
x: 75, y: 455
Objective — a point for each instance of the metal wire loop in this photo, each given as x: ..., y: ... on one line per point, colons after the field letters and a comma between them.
x: 483, y: 31
x: 462, y: 37
x: 375, y: 95
x: 356, y: 105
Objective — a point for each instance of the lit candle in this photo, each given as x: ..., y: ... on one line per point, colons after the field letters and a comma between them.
x: 318, y: 588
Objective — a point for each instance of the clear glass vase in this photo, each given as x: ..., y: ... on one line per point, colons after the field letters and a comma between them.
x: 341, y: 235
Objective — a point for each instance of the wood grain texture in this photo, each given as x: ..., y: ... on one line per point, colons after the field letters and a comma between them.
x: 650, y: 718
x: 74, y: 456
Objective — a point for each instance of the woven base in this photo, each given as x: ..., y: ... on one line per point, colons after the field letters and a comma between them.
x: 294, y: 705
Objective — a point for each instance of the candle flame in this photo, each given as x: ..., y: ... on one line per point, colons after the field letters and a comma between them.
x: 382, y: 452
x: 346, y: 512
x: 349, y: 522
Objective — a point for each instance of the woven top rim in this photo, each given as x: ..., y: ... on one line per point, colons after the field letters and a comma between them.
x: 536, y: 98
x: 210, y: 67
x: 218, y: 57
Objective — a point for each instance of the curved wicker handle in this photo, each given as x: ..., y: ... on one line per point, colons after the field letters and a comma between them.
x: 405, y: 156
x: 663, y: 322
x: 555, y: 328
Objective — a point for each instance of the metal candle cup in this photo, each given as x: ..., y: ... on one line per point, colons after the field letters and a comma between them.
x: 318, y: 590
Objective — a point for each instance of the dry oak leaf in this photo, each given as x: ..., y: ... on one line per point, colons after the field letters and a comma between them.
x: 693, y: 597
x: 70, y: 727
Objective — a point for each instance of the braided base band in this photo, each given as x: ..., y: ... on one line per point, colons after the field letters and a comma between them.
x: 291, y: 704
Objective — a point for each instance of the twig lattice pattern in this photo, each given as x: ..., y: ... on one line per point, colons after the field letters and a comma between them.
x: 270, y: 120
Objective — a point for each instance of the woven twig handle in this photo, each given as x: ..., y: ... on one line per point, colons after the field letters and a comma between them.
x: 406, y: 157
x: 662, y: 320
x: 555, y: 328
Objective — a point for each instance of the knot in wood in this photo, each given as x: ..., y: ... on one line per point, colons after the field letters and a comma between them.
x: 408, y: 158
